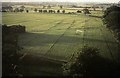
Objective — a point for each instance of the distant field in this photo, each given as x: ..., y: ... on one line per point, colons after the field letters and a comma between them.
x: 57, y: 36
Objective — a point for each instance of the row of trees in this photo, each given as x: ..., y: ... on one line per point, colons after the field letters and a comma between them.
x: 112, y: 19
x: 49, y: 11
x: 92, y: 7
x: 49, y: 7
x: 11, y: 9
x: 85, y: 11
x: 23, y: 9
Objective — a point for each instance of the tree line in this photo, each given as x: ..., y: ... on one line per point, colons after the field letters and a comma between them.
x: 43, y: 10
x: 111, y: 18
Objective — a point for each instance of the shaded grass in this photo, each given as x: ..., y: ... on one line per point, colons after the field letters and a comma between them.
x: 52, y: 36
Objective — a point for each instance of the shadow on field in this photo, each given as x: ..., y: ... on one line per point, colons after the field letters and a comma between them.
x: 95, y: 16
x: 95, y: 66
x: 90, y: 64
x: 41, y: 39
x: 33, y: 65
x: 103, y: 67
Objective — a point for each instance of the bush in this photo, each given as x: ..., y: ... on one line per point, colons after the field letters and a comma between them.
x: 78, y: 11
x: 86, y: 11
x: 63, y: 11
x: 111, y: 9
x: 112, y: 20
x: 10, y: 55
x: 90, y: 64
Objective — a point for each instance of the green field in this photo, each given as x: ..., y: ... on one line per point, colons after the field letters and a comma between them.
x: 51, y: 39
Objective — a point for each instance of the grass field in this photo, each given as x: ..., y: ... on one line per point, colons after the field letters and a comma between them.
x: 51, y: 39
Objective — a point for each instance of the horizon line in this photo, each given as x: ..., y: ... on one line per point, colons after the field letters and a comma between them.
x: 58, y: 1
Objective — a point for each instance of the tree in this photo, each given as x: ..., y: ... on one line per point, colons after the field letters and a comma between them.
x: 16, y: 10
x: 86, y: 11
x: 111, y: 18
x: 89, y: 64
x: 82, y: 61
x: 63, y: 11
x: 44, y: 7
x: 110, y: 9
x: 35, y: 9
x: 49, y: 7
x: 94, y: 8
x: 61, y: 6
x: 22, y: 7
x: 58, y: 11
x: 21, y: 10
x: 78, y: 11
x: 40, y: 11
x: 27, y: 11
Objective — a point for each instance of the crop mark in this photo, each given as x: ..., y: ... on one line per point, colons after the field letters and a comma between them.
x: 108, y: 46
x: 55, y: 25
x: 31, y: 21
x: 71, y: 25
x: 73, y: 55
x: 46, y: 30
x: 84, y: 31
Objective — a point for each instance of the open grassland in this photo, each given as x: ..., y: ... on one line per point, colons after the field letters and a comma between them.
x: 52, y: 39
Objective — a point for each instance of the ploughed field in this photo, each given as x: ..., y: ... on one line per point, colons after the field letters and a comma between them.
x: 52, y: 39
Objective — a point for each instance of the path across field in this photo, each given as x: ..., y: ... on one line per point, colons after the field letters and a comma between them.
x: 51, y: 39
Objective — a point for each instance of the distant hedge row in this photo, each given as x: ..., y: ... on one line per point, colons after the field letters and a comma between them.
x: 112, y: 19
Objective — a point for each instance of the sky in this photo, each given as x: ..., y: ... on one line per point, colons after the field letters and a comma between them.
x: 101, y: 1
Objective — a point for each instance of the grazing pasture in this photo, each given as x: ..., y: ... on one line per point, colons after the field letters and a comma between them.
x: 52, y: 39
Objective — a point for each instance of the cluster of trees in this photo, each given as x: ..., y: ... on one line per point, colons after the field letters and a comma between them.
x: 78, y: 11
x: 112, y: 19
x: 21, y: 9
x: 7, y: 8
x: 10, y: 48
x: 93, y: 7
x: 49, y: 11
x: 11, y: 9
x: 86, y: 11
x: 49, y: 7
x: 90, y: 64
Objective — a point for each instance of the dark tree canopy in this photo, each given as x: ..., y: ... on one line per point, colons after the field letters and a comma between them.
x: 63, y: 11
x: 35, y: 9
x: 86, y: 11
x: 61, y: 6
x: 111, y: 18
x: 111, y: 9
x: 58, y: 11
x: 90, y: 64
x: 78, y: 11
